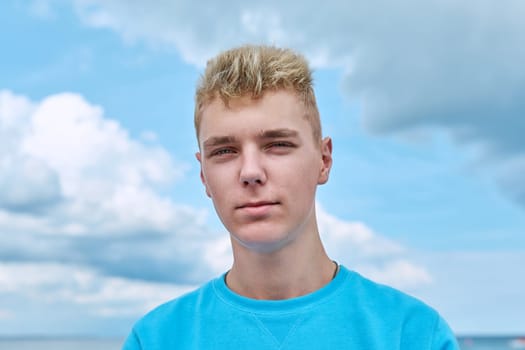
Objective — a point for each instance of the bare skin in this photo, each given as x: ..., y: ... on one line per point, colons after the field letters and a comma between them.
x: 261, y: 166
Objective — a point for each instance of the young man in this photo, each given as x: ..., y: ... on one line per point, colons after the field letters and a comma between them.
x: 262, y: 157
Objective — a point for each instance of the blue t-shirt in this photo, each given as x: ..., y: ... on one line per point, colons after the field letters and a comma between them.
x: 351, y: 312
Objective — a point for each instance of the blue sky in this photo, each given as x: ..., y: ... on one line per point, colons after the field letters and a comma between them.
x: 102, y: 214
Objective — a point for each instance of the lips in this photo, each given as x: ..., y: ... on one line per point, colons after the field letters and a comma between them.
x: 257, y: 210
x: 258, y: 204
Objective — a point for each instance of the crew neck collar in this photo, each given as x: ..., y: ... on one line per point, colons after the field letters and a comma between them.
x: 228, y: 296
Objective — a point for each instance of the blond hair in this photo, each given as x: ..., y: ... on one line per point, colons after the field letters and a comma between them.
x: 253, y: 70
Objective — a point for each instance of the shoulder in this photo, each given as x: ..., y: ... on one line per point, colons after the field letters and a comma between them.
x: 389, y: 309
x: 380, y: 295
x: 383, y: 305
x: 173, y: 324
x: 176, y: 310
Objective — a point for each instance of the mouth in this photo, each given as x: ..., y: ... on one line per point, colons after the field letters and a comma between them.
x: 259, y: 204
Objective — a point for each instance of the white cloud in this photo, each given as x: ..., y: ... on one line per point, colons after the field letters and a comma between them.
x: 378, y: 258
x: 98, y: 236
x: 353, y: 244
x: 75, y: 138
x: 27, y: 184
x: 92, y: 196
x: 67, y: 149
x: 354, y: 239
x: 14, y: 110
x: 411, y: 65
x: 74, y: 181
x: 398, y: 273
x: 95, y: 293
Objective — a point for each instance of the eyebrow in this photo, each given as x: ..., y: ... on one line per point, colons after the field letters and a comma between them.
x: 218, y: 141
x: 277, y: 133
x: 215, y: 141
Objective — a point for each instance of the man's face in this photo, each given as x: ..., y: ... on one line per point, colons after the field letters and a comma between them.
x: 261, y: 166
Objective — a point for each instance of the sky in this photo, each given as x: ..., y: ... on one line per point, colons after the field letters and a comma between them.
x: 102, y: 213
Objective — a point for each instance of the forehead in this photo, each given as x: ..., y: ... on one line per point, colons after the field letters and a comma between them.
x: 274, y: 110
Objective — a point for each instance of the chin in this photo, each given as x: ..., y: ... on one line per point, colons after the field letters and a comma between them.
x: 260, y: 242
x: 263, y: 247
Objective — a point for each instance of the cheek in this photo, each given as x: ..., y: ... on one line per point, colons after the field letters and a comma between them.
x: 306, y: 173
x: 216, y: 183
x: 300, y: 181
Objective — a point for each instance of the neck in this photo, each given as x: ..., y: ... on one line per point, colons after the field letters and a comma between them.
x: 287, y: 273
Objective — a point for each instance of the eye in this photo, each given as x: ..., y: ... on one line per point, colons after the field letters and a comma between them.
x: 281, y: 144
x: 221, y: 152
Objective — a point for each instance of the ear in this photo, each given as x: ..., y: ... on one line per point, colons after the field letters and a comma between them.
x: 203, y: 179
x: 326, y: 160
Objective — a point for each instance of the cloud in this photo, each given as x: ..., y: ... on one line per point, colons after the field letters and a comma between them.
x: 58, y: 299
x: 356, y: 245
x: 74, y: 181
x: 411, y: 65
x: 356, y: 236
x: 399, y: 273
x: 83, y: 286
x: 86, y: 226
x: 76, y: 188
x: 26, y: 184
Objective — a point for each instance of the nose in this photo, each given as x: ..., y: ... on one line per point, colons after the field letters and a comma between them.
x: 252, y: 171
